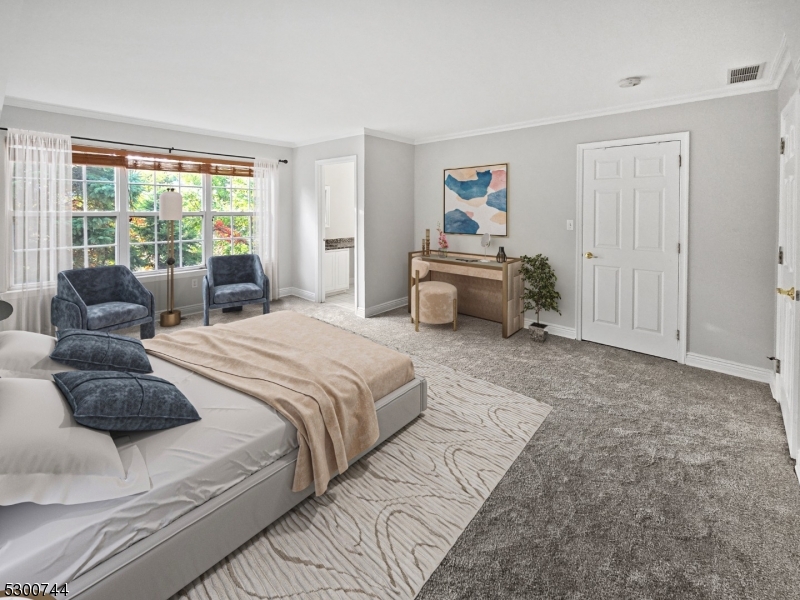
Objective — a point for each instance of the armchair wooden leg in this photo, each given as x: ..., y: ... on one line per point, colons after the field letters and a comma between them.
x: 455, y: 314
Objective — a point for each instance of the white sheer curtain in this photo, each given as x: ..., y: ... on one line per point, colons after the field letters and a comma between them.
x: 38, y: 224
x: 265, y: 234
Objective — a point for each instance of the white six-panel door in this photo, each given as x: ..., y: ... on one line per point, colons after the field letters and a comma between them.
x: 630, y: 254
x: 787, y: 314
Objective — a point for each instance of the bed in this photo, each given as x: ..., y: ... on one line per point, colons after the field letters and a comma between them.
x: 215, y: 484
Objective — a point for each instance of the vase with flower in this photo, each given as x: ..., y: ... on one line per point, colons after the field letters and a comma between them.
x: 443, y: 245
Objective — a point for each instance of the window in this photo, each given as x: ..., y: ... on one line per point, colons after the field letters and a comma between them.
x: 232, y: 214
x: 114, y: 197
x: 94, y: 216
x: 149, y: 235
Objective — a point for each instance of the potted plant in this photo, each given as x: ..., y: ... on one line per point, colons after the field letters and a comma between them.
x: 540, y: 291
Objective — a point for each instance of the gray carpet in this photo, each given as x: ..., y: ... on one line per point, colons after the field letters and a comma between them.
x: 648, y: 480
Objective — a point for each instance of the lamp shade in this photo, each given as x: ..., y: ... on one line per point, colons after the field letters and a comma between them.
x: 170, y: 206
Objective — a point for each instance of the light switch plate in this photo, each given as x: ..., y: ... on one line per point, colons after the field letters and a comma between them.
x: 570, y: 225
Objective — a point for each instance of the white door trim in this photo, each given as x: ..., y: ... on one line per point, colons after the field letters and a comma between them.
x: 320, y: 190
x: 683, y: 277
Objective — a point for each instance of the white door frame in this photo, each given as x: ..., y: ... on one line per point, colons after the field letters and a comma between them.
x: 320, y: 189
x: 683, y: 278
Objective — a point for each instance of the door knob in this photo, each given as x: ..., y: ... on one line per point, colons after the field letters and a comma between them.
x: 589, y: 255
x: 789, y: 292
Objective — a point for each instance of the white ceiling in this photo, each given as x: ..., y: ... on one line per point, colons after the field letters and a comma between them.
x: 296, y: 71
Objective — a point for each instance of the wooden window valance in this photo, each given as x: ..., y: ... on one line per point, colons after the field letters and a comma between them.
x: 111, y: 157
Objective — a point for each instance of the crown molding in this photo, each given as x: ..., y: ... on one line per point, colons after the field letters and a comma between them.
x: 780, y: 64
x: 104, y: 116
x: 388, y: 136
x: 739, y: 89
x: 777, y: 70
x: 329, y: 138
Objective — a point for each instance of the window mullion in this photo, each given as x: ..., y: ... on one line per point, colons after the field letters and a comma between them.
x: 123, y: 226
x: 208, y: 219
x: 85, y: 191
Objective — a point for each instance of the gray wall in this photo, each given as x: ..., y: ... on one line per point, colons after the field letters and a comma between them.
x: 733, y: 195
x: 790, y: 21
x: 10, y: 11
x: 185, y: 294
x: 788, y: 86
x: 389, y: 204
x: 306, y: 235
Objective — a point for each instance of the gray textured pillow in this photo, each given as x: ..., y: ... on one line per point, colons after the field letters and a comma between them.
x: 116, y: 401
x: 100, y: 351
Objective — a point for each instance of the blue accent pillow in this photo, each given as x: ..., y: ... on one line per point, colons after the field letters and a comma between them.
x: 100, y: 351
x: 115, y: 401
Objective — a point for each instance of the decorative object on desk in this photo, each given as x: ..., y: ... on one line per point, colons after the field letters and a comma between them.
x: 170, y: 208
x: 443, y: 244
x: 486, y: 240
x: 540, y: 291
x: 5, y: 310
x: 475, y: 200
x: 501, y: 256
x: 427, y: 247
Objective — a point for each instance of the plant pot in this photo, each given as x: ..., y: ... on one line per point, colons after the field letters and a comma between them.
x: 538, y: 332
x: 442, y: 253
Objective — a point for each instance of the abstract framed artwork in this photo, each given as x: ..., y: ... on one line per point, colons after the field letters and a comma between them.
x: 476, y: 200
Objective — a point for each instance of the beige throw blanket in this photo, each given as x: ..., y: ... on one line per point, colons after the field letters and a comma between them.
x: 267, y: 357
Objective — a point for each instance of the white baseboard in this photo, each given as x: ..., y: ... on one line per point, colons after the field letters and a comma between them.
x: 293, y: 291
x: 386, y: 306
x: 729, y: 368
x: 773, y: 390
x: 797, y: 470
x: 559, y: 330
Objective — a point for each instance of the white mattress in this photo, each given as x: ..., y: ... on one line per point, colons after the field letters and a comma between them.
x: 236, y: 436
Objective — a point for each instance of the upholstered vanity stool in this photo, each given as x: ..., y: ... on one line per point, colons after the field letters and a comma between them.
x: 437, y: 300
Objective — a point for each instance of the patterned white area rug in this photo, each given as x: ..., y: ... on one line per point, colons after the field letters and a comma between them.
x: 385, y: 525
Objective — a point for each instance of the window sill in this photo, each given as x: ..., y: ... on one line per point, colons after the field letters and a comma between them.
x: 185, y: 273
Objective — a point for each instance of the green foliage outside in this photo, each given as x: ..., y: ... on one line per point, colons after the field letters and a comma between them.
x: 540, y: 285
x: 94, y: 190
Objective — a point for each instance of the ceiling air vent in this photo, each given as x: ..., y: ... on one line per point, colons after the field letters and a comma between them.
x: 745, y: 73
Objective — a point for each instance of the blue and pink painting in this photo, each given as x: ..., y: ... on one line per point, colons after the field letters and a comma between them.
x: 475, y: 200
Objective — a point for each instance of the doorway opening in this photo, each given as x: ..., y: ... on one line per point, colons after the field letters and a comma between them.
x: 337, y: 265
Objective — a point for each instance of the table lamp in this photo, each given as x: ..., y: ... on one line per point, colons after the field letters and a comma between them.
x: 170, y: 208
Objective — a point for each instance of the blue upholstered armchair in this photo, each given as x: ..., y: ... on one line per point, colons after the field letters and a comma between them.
x: 102, y: 299
x: 233, y: 281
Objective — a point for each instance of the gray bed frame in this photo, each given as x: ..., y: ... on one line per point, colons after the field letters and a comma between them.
x: 162, y: 564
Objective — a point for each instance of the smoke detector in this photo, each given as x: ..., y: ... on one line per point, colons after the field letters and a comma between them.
x: 745, y: 73
x: 630, y: 82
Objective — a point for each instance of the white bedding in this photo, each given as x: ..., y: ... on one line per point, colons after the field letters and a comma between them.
x: 188, y: 465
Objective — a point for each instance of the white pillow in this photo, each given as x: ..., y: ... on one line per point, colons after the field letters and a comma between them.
x: 27, y: 355
x: 47, y: 458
